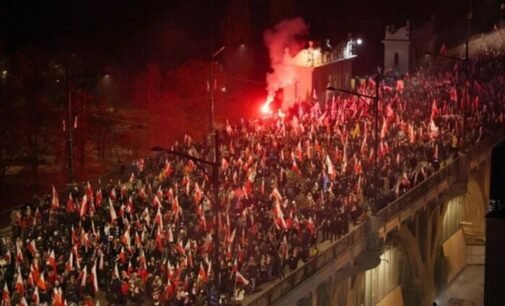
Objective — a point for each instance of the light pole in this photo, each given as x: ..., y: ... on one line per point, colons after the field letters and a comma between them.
x: 211, y: 86
x: 376, y: 99
x: 70, y: 124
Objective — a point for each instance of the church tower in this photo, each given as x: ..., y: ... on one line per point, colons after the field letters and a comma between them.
x: 397, y: 46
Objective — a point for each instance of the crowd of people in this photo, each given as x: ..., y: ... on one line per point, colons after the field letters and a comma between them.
x: 287, y: 183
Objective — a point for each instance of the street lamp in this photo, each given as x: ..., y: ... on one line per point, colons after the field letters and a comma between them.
x: 211, y: 87
x: 376, y: 127
x: 70, y: 116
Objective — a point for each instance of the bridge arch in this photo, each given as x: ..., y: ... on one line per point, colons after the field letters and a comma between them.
x: 475, y: 205
x: 393, y: 279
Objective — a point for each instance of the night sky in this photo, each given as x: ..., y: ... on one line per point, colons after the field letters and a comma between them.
x: 182, y: 27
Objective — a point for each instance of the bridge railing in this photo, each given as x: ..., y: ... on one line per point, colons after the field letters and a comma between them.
x: 302, y: 273
x: 451, y: 170
x: 392, y: 209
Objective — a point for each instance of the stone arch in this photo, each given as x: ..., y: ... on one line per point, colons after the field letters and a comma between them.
x: 386, y: 282
x: 474, y: 207
x: 340, y: 293
x: 412, y: 284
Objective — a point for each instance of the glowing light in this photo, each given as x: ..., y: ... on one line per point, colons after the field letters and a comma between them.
x: 265, y: 108
x: 359, y: 41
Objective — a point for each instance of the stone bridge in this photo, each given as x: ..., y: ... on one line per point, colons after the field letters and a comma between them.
x: 408, y: 251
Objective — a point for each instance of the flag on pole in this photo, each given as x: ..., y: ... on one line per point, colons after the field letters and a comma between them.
x: 6, y: 296
x: 239, y: 278
x: 55, y: 202
x: 20, y: 288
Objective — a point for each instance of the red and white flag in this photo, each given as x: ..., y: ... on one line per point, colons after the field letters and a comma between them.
x: 84, y: 276
x: 6, y: 296
x: 84, y: 206
x: 159, y: 218
x: 51, y: 260
x: 55, y: 201
x: 23, y: 302
x: 112, y: 211
x: 35, y: 296
x: 41, y: 283
x: 202, y: 274
x: 32, y: 247
x: 20, y: 287
x: 94, y: 276
x: 239, y: 278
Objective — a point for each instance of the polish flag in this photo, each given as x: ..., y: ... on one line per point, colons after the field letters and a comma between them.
x: 159, y: 240
x: 32, y: 247
x: 20, y: 287
x: 299, y: 152
x: 198, y: 194
x: 55, y: 201
x: 331, y: 169
x: 170, y: 234
x: 84, y: 206
x: 116, y: 271
x: 126, y: 239
x: 52, y: 260
x: 89, y: 191
x: 175, y: 206
x: 69, y: 266
x: 57, y: 297
x: 84, y: 276
x: 122, y: 256
x: 70, y: 204
x: 202, y: 275
x: 34, y: 271
x: 94, y: 276
x: 295, y: 168
x: 112, y: 194
x: 98, y: 198
x: 41, y: 283
x: 6, y: 296
x: 35, y: 296
x: 112, y: 211
x: 156, y: 201
x: 23, y: 302
x: 179, y: 248
x: 239, y: 278
x: 159, y: 218
x: 168, y: 169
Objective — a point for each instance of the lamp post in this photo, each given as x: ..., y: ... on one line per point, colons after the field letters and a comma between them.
x: 211, y: 86
x: 70, y: 115
x: 215, y: 182
x: 376, y: 127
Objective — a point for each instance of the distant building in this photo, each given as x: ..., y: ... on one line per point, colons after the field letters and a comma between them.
x: 313, y: 69
x: 405, y: 48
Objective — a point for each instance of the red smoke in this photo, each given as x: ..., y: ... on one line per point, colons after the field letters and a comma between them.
x: 285, y: 38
